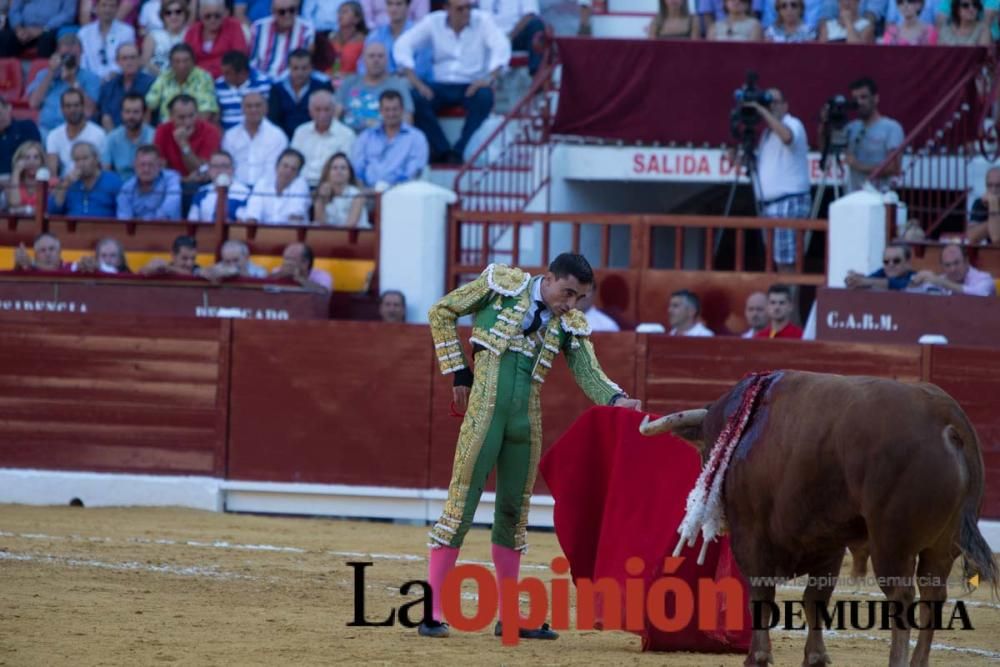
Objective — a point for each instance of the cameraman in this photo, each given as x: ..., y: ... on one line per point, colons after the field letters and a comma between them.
x: 871, y: 137
x: 783, y: 170
x: 63, y: 73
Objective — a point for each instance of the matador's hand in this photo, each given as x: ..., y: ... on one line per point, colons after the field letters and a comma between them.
x: 628, y: 403
x: 461, y: 398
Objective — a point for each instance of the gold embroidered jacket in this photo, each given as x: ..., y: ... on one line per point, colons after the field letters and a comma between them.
x: 499, y: 299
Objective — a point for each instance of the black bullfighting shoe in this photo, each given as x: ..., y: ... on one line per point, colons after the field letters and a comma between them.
x: 544, y: 632
x: 433, y: 629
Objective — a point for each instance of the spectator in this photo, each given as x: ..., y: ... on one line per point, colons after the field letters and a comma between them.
x: 237, y: 80
x: 274, y: 38
x: 254, y: 142
x: 597, y: 319
x: 249, y: 11
x: 213, y: 36
x: 959, y: 276
x: 673, y: 21
x: 297, y: 264
x: 392, y: 152
x: 35, y: 23
x: 154, y: 193
x: 984, y: 218
x: 379, y: 13
x: 779, y: 314
x: 48, y: 255
x: 149, y: 16
x: 282, y: 197
x: 683, y: 311
x: 469, y: 52
x: 911, y: 31
x: 87, y: 190
x: 108, y: 257
x: 965, y: 25
x: 183, y: 260
x: 100, y: 40
x: 131, y: 81
x: 186, y: 141
x: 60, y: 141
x: 159, y: 43
x: 398, y: 13
x: 288, y: 105
x: 892, y: 14
x: 519, y: 21
x: 738, y: 25
x: 23, y: 190
x: 203, y: 205
x: 13, y: 133
x: 128, y: 12
x: 321, y: 137
x: 783, y: 172
x: 714, y: 11
x: 755, y: 313
x: 871, y: 137
x: 321, y: 14
x: 848, y: 26
x: 339, y: 201
x: 359, y: 95
x: 63, y: 73
x: 392, y: 306
x: 234, y: 262
x: 895, y: 274
x: 790, y: 25
x: 122, y: 142
x: 349, y: 39
x: 183, y: 78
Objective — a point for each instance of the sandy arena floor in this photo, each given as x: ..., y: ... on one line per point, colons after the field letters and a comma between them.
x: 154, y: 586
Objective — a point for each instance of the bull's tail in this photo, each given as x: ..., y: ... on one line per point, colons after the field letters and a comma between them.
x: 977, y: 557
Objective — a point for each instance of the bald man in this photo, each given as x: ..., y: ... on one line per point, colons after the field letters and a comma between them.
x: 256, y: 142
x: 756, y: 314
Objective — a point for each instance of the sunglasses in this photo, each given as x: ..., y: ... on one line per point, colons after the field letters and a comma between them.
x: 968, y: 5
x: 173, y: 12
x: 211, y: 16
x: 892, y: 261
x: 284, y: 11
x: 462, y: 8
x: 789, y: 5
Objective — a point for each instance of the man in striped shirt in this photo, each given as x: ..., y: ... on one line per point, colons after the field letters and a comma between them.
x: 237, y: 80
x: 273, y: 38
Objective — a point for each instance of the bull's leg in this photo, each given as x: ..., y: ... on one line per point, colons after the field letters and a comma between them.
x: 822, y: 581
x: 932, y: 577
x: 859, y: 561
x: 762, y: 598
x: 895, y: 573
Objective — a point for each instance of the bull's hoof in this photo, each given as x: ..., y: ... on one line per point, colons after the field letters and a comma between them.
x: 817, y: 660
x: 759, y: 659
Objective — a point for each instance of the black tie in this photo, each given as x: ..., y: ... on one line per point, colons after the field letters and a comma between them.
x: 537, y: 322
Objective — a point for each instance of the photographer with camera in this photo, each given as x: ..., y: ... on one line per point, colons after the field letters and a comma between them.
x: 871, y: 137
x: 62, y: 74
x: 783, y: 171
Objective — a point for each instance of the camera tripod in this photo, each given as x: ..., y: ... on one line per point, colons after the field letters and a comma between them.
x: 830, y: 170
x: 748, y: 161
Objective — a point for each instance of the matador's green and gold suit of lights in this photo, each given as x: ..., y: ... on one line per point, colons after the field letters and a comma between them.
x: 503, y: 423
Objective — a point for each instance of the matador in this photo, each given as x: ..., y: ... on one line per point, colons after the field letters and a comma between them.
x: 520, y: 323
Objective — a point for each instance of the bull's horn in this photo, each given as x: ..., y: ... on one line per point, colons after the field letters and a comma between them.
x: 672, y: 422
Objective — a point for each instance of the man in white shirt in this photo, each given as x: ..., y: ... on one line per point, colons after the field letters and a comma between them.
x: 756, y: 314
x: 597, y: 319
x: 322, y: 136
x: 683, y: 311
x: 469, y: 51
x: 254, y: 142
x: 281, y: 197
x: 204, y: 203
x: 783, y: 166
x: 59, y: 144
x: 100, y: 40
x: 519, y: 20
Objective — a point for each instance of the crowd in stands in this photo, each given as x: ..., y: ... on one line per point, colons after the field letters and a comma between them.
x: 903, y: 23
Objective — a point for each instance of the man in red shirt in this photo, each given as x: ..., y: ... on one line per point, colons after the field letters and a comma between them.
x: 186, y: 141
x: 779, y: 311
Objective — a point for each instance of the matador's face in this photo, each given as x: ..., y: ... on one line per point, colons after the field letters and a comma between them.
x: 562, y: 295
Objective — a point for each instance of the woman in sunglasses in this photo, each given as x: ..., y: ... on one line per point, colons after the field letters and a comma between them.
x: 965, y: 26
x: 911, y: 31
x: 213, y: 35
x: 158, y: 42
x: 790, y: 26
x: 673, y: 21
x: 849, y: 26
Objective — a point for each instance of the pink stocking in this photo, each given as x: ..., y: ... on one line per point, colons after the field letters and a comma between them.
x: 507, y: 562
x: 441, y: 561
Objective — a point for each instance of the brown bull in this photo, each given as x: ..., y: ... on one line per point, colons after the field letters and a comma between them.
x: 828, y: 461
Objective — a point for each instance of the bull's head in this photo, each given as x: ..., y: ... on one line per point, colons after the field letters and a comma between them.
x: 688, y: 425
